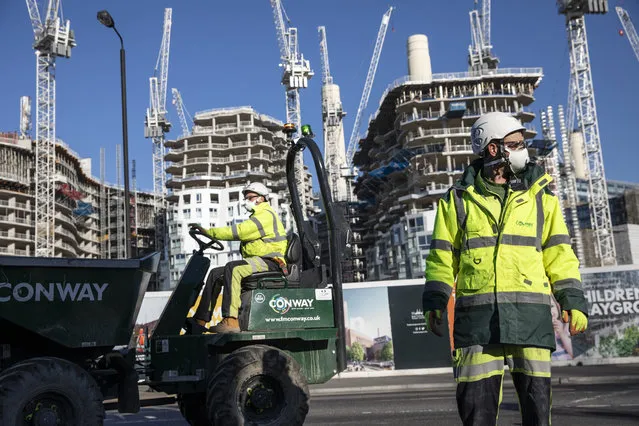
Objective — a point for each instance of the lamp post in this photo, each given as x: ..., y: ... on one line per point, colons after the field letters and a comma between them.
x: 106, y: 19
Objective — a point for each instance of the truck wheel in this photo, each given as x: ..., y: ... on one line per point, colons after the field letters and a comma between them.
x: 193, y: 408
x: 257, y: 384
x: 49, y: 392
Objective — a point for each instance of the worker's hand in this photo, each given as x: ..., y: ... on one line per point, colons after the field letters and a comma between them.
x: 198, y: 227
x: 578, y: 321
x: 434, y: 322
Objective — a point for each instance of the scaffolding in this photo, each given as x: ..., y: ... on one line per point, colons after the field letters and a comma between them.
x: 104, y: 232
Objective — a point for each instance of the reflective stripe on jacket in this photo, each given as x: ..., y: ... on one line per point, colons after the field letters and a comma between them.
x: 262, y: 234
x: 505, y: 262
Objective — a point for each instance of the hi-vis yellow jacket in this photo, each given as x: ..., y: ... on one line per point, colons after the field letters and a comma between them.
x: 505, y: 261
x: 262, y: 234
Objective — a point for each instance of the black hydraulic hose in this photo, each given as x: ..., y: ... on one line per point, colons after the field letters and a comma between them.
x: 333, y: 232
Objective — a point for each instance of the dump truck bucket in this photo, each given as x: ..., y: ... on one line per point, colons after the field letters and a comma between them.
x: 74, y: 303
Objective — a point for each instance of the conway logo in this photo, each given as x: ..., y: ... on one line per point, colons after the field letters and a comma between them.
x: 282, y: 305
x: 39, y: 292
x: 525, y: 224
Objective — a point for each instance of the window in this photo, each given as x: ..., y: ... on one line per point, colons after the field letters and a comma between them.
x: 186, y: 213
x: 187, y: 199
x: 231, y: 210
x: 214, y: 198
x: 198, y: 212
x: 198, y: 198
x: 234, y: 196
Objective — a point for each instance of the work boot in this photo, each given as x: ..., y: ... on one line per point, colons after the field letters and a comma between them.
x: 195, y: 326
x: 227, y: 325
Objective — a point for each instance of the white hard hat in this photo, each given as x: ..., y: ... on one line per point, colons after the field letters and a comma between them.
x: 491, y: 126
x: 256, y: 187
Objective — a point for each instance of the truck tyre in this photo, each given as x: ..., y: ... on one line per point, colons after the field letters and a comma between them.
x: 193, y: 408
x: 49, y: 391
x: 257, y: 384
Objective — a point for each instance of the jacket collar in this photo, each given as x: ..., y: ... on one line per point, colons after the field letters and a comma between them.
x: 262, y: 206
x: 534, y: 177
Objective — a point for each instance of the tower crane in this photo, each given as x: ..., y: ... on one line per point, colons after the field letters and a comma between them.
x: 181, y: 109
x: 52, y: 39
x: 581, y: 87
x: 156, y: 125
x: 25, y: 116
x: 552, y: 160
x: 368, y: 85
x: 480, y: 54
x: 296, y: 74
x: 629, y: 29
x: 570, y: 186
x: 332, y: 120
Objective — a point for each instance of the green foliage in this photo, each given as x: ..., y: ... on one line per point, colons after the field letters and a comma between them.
x: 387, y: 352
x: 627, y: 345
x: 357, y: 352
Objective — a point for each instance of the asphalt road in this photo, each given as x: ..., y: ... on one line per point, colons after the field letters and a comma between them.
x: 573, y: 404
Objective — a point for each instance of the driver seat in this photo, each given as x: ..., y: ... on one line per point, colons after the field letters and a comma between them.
x: 277, y: 279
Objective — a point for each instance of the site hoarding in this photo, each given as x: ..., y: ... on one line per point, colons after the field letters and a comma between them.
x: 385, y: 323
x: 613, y: 322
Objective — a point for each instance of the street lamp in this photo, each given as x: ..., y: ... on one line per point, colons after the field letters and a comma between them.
x: 106, y: 19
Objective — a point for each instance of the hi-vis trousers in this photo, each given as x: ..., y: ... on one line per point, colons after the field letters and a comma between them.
x: 479, y: 372
x: 230, y: 277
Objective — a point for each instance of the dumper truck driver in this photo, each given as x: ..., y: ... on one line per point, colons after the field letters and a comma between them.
x: 263, y: 244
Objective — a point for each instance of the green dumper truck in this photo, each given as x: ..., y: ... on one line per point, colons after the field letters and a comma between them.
x: 66, y: 328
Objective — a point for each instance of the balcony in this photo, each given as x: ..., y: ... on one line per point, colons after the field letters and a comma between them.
x: 18, y: 236
x: 14, y: 251
x: 15, y: 205
x: 432, y: 189
x: 17, y: 220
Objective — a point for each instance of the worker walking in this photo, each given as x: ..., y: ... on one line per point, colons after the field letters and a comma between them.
x: 500, y: 238
x: 263, y: 244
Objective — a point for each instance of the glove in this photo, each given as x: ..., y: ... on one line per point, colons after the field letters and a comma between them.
x: 578, y: 321
x: 434, y: 322
x: 198, y: 227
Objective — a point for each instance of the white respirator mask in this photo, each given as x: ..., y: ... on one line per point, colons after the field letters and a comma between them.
x: 517, y: 159
x: 249, y: 205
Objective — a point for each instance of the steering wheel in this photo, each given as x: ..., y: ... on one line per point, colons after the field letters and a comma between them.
x: 212, y: 243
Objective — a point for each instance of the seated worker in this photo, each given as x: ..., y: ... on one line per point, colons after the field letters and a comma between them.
x: 263, y: 244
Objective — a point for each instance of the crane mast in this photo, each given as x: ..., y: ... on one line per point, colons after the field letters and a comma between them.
x: 296, y: 73
x: 629, y: 29
x: 570, y: 184
x: 370, y: 77
x: 551, y: 162
x: 480, y: 54
x: 333, y: 126
x: 179, y: 106
x: 52, y: 39
x: 585, y: 107
x: 156, y: 126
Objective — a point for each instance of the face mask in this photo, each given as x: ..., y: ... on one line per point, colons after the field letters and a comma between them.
x: 517, y: 159
x: 249, y: 205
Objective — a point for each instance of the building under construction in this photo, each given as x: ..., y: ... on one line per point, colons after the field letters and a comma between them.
x: 227, y: 148
x: 417, y: 145
x: 89, y: 213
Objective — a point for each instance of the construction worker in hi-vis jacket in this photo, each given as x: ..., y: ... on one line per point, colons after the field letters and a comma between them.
x: 263, y: 247
x: 500, y: 238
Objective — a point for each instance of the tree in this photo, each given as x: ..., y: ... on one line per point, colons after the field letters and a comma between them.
x: 387, y: 352
x: 357, y: 352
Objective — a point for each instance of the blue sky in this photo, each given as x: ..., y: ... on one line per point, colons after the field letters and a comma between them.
x: 226, y: 54
x: 368, y: 310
